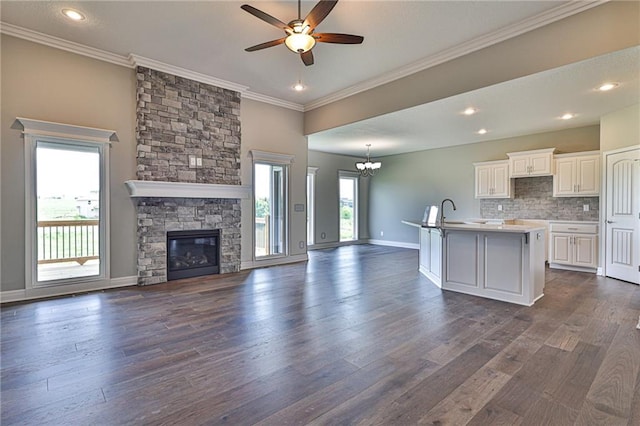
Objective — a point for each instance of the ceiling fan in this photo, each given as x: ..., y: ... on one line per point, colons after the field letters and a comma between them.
x: 300, y: 36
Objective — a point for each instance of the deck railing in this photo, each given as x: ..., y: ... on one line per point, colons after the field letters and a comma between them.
x: 262, y: 235
x: 68, y: 241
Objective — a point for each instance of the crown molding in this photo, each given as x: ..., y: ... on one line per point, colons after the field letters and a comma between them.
x: 273, y: 101
x: 529, y: 24
x: 141, y: 61
x: 62, y: 44
x: 542, y: 19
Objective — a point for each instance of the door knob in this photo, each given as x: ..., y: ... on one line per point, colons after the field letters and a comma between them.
x: 610, y: 221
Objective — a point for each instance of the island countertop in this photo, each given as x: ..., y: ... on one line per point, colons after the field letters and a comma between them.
x: 471, y: 225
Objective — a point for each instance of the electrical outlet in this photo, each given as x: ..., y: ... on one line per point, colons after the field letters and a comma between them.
x: 301, y: 244
x: 382, y: 233
x: 499, y: 207
x: 192, y: 162
x: 323, y: 235
x: 198, y: 161
x: 585, y: 207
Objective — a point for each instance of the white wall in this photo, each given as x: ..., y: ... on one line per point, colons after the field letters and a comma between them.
x: 408, y: 182
x: 48, y: 84
x: 279, y: 130
x: 327, y: 197
x: 620, y: 129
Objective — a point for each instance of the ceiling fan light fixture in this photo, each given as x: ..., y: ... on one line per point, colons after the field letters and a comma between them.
x: 300, y: 42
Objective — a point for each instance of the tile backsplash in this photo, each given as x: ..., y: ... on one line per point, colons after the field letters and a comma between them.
x: 534, y: 199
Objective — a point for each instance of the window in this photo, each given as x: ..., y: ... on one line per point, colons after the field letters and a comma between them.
x: 311, y: 195
x: 271, y: 204
x: 66, y: 230
x: 348, y: 206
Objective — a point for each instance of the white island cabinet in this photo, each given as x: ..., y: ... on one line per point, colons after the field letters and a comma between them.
x: 501, y: 262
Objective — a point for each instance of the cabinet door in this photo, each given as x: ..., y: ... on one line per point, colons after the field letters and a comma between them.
x: 564, y: 182
x: 483, y: 181
x: 561, y: 249
x: 519, y: 166
x: 588, y: 175
x: 425, y: 247
x: 500, y: 179
x: 584, y: 250
x: 540, y: 164
x: 435, y: 253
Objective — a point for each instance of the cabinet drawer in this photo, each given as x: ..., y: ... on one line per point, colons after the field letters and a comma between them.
x: 575, y: 228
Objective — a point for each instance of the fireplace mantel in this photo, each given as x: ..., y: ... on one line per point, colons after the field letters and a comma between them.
x: 148, y: 188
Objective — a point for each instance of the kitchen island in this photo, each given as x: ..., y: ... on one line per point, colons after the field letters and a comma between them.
x: 497, y: 261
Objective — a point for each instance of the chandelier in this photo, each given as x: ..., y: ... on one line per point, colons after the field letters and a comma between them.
x: 368, y: 168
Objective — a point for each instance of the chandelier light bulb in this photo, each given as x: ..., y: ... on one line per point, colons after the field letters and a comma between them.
x: 367, y: 167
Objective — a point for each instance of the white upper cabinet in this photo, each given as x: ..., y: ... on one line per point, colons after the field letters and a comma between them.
x: 531, y: 163
x: 492, y: 179
x: 577, y: 175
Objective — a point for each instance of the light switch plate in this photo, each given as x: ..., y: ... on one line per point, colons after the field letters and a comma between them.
x: 585, y: 207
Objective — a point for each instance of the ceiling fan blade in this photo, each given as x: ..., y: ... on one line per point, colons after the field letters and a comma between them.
x: 307, y: 57
x: 319, y: 12
x: 264, y: 16
x: 265, y: 45
x: 338, y: 38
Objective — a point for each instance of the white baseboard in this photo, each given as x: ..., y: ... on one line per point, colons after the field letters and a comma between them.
x: 573, y: 268
x: 400, y: 244
x: 62, y: 290
x: 252, y: 264
x: 334, y: 244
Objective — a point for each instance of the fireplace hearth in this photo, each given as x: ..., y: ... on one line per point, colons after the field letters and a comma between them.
x: 193, y: 253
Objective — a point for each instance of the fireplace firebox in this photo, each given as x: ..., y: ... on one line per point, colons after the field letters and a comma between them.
x: 193, y: 253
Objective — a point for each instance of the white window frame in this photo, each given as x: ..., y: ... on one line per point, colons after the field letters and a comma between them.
x: 35, y: 131
x: 311, y: 205
x: 356, y: 210
x: 272, y: 159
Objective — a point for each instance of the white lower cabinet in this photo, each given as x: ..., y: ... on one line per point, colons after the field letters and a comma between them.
x: 431, y: 254
x: 573, y: 245
x: 497, y: 265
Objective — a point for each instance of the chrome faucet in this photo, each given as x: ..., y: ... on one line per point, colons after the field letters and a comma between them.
x: 442, y: 209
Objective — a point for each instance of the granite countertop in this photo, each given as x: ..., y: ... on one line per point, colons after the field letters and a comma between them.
x: 471, y: 225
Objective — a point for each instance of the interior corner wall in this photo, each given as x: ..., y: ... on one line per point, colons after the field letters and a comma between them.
x: 44, y: 83
x: 327, y: 197
x: 620, y: 129
x: 409, y: 182
x: 278, y: 130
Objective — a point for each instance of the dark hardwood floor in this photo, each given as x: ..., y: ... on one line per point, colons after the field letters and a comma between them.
x: 354, y: 336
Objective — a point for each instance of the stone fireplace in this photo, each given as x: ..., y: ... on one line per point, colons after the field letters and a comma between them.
x: 188, y: 168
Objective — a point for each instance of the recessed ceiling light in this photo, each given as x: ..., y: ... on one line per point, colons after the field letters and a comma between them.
x: 469, y: 111
x: 482, y: 131
x: 74, y: 15
x: 608, y: 86
x: 298, y: 87
x: 568, y: 116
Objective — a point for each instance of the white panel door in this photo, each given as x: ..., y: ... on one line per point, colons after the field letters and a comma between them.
x: 622, y: 246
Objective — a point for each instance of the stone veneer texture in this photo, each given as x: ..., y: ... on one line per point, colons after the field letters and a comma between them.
x: 176, y: 118
x: 156, y: 216
x: 534, y: 199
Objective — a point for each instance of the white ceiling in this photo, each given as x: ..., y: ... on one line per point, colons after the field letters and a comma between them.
x: 527, y: 105
x: 209, y: 37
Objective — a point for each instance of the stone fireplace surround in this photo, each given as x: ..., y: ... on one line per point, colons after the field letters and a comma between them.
x: 178, y: 118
